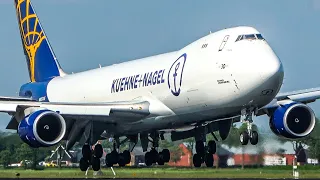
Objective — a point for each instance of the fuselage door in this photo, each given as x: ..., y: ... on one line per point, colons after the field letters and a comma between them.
x: 224, y: 42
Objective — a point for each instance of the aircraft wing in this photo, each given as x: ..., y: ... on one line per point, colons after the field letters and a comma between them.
x: 303, y: 96
x: 3, y: 98
x: 131, y: 111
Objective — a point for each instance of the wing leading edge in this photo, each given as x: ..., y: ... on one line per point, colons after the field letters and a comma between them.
x: 302, y: 96
x: 129, y: 111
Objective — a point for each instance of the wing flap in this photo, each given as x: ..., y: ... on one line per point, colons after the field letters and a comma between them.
x: 4, y: 98
x: 13, y: 124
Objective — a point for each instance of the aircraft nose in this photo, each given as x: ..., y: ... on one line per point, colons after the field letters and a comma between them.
x: 271, y: 69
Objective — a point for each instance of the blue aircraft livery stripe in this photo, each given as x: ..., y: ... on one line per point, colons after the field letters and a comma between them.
x: 41, y: 61
x: 138, y: 81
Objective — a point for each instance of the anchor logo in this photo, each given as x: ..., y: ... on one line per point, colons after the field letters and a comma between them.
x: 175, y: 75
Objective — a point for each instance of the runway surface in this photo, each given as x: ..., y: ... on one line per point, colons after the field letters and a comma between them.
x: 159, y: 178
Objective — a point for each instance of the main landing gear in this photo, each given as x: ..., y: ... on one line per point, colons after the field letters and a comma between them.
x: 153, y: 156
x: 249, y: 134
x: 204, y: 153
x: 160, y: 158
x: 91, y: 157
x: 124, y: 158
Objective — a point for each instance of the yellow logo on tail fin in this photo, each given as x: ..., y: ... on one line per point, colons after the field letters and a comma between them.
x: 31, y: 33
x: 41, y: 61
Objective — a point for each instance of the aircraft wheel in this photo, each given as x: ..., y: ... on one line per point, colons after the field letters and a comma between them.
x: 86, y: 152
x: 161, y: 159
x: 113, y: 157
x: 154, y: 155
x: 212, y: 147
x: 148, y: 159
x: 98, y: 151
x: 109, y: 162
x: 197, y: 160
x: 209, y: 160
x: 122, y: 160
x: 200, y: 148
x: 254, y: 138
x: 244, y: 138
x: 166, y: 155
x: 95, y: 163
x: 84, y: 164
x: 127, y: 156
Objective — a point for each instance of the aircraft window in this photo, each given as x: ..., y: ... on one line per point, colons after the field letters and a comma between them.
x: 259, y: 36
x: 250, y: 36
x: 239, y: 38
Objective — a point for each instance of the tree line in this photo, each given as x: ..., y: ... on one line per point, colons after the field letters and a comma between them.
x: 14, y: 150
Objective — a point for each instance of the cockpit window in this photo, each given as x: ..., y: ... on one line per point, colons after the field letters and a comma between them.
x: 249, y: 37
x: 239, y: 38
x: 259, y: 36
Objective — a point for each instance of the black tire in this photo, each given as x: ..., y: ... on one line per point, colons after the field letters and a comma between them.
x: 212, y: 147
x: 161, y: 160
x: 127, y: 156
x: 166, y: 155
x: 200, y: 148
x: 254, y: 138
x: 114, y: 157
x: 84, y: 164
x: 95, y: 163
x: 86, y: 152
x: 122, y: 160
x: 148, y: 159
x: 244, y: 138
x: 154, y: 155
x: 98, y: 151
x: 197, y: 160
x: 209, y: 160
x: 109, y: 163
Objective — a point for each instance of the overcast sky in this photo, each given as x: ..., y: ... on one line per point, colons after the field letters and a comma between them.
x: 86, y: 33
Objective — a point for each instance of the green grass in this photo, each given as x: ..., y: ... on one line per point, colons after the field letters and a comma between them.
x: 166, y: 172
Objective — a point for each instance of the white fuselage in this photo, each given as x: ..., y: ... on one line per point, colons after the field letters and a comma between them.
x: 215, y: 76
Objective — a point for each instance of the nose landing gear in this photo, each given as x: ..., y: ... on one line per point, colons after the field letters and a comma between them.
x: 249, y: 134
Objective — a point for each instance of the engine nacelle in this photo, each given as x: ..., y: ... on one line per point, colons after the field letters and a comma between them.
x: 293, y: 121
x: 42, y: 128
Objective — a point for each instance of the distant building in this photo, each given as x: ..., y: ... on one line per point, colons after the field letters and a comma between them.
x: 185, y: 159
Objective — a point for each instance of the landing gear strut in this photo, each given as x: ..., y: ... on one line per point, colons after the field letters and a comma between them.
x: 249, y: 134
x: 204, y: 153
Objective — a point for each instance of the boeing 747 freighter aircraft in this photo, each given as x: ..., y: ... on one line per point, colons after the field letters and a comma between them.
x: 228, y: 76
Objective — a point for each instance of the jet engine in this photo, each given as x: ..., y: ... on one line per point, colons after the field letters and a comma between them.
x: 42, y: 128
x: 294, y: 120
